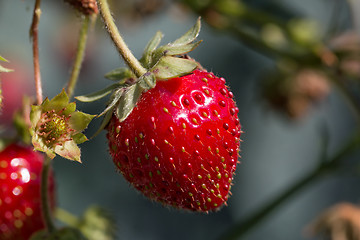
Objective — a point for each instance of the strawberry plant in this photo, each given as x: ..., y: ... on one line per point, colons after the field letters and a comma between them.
x: 174, y: 137
x: 171, y: 124
x: 184, y: 152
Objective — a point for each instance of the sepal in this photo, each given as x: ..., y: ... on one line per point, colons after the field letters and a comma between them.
x: 161, y: 60
x: 97, y: 95
x: 120, y: 74
x: 170, y: 67
x: 150, y: 48
x: 128, y: 101
x: 190, y: 35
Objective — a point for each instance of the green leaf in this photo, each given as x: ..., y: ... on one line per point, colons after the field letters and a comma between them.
x: 180, y: 46
x: 79, y: 120
x: 3, y: 59
x: 149, y: 49
x: 58, y: 103
x: 119, y: 74
x: 172, y: 50
x: 170, y: 67
x: 69, y: 108
x: 97, y: 95
x: 115, y: 97
x: 69, y: 150
x: 154, y: 42
x: 190, y: 35
x: 79, y: 138
x: 128, y: 101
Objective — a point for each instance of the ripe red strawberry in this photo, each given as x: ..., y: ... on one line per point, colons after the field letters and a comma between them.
x: 180, y: 144
x: 20, y: 202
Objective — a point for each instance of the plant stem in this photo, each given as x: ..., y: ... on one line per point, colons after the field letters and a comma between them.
x: 80, y: 53
x: 45, y: 206
x: 119, y: 42
x: 35, y: 48
x: 240, y: 228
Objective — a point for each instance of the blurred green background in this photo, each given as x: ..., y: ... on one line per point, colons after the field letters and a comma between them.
x: 276, y: 150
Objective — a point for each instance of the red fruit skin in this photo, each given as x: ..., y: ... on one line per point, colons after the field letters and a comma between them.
x: 20, y: 201
x: 180, y: 144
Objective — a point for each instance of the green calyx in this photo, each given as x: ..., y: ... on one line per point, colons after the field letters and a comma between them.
x: 56, y: 127
x: 162, y: 63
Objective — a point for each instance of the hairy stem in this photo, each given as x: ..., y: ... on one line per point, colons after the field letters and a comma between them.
x: 325, y: 168
x: 35, y: 49
x: 119, y: 42
x: 80, y: 53
x: 45, y: 202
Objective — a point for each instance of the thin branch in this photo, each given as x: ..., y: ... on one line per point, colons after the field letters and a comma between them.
x: 35, y: 48
x: 45, y: 202
x: 80, y: 53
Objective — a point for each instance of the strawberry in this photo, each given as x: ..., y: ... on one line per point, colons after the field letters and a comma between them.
x: 20, y: 201
x: 173, y: 130
x: 180, y: 144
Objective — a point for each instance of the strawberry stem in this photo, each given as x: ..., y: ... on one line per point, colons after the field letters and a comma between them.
x: 80, y: 53
x: 325, y: 168
x: 35, y: 48
x: 119, y: 42
x: 45, y: 206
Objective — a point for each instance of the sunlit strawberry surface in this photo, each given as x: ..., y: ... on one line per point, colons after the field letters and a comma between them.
x: 180, y: 144
x: 20, y: 201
